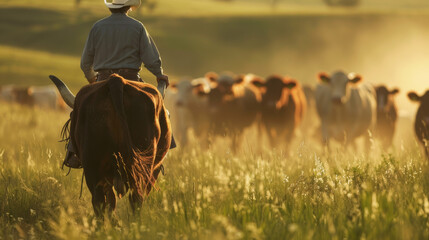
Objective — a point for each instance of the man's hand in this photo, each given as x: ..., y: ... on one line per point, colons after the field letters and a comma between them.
x: 93, y: 79
x: 163, y: 78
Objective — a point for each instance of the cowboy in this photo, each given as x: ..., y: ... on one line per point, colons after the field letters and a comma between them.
x: 117, y: 44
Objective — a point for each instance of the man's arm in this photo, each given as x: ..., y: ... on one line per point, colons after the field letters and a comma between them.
x: 87, y: 60
x: 149, y: 55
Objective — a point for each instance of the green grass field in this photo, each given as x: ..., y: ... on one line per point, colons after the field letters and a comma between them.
x: 214, y: 194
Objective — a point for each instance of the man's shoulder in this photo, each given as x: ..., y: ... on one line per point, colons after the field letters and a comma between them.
x: 126, y: 19
x: 135, y: 21
x: 101, y: 22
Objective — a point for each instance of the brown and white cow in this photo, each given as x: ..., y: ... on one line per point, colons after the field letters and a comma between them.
x: 345, y: 105
x: 387, y: 115
x: 233, y: 104
x: 421, y: 124
x: 189, y: 108
x: 121, y: 133
x: 282, y: 108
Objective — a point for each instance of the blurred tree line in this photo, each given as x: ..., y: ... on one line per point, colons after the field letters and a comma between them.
x: 328, y: 2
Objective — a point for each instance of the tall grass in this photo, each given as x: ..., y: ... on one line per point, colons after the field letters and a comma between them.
x: 214, y: 194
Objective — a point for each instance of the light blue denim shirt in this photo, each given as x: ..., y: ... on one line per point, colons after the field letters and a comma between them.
x: 119, y: 41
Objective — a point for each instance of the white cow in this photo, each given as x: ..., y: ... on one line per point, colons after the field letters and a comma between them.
x: 346, y: 107
x: 189, y: 108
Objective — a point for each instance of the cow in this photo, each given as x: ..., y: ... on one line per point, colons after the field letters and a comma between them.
x: 233, y: 105
x: 190, y: 109
x: 282, y: 108
x: 346, y: 107
x: 421, y: 124
x: 121, y: 133
x: 387, y: 115
x: 45, y: 97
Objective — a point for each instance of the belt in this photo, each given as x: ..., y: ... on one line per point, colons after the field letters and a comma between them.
x: 127, y: 73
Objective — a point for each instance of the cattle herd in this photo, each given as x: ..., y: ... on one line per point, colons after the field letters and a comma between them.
x: 341, y: 107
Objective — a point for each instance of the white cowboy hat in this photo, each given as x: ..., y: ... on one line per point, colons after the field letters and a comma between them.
x: 122, y: 3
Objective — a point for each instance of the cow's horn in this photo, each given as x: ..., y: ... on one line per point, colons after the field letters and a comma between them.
x: 64, y: 91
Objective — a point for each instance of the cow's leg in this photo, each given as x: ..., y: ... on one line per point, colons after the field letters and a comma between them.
x: 325, y: 136
x: 288, y: 140
x: 235, y: 142
x: 272, y: 136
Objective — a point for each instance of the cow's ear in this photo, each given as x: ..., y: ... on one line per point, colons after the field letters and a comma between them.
x: 198, y: 89
x: 414, y: 97
x: 201, y: 93
x: 258, y: 82
x: 239, y: 79
x: 173, y: 87
x: 394, y: 91
x: 290, y: 84
x: 30, y: 91
x: 212, y: 76
x: 354, y: 78
x: 323, y: 77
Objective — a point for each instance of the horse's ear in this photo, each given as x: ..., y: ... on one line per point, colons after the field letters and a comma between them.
x: 394, y: 91
x: 414, y: 97
x: 323, y: 77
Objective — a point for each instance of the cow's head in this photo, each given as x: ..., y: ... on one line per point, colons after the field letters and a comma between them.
x: 212, y: 77
x: 187, y: 91
x: 273, y: 89
x: 339, y: 83
x: 384, y: 97
x: 424, y: 103
x: 423, y: 99
x: 223, y: 91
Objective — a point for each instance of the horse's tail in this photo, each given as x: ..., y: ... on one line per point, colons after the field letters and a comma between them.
x: 131, y: 166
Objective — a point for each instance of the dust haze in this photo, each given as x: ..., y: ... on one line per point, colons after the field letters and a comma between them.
x: 388, y: 49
